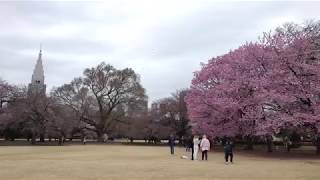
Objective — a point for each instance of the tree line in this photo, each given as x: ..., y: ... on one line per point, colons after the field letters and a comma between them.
x: 105, y: 100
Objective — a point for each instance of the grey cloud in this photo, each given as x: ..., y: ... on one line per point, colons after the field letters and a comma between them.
x: 51, y: 12
x: 166, y: 54
x: 14, y: 67
x: 62, y: 45
x: 217, y: 29
x: 77, y: 46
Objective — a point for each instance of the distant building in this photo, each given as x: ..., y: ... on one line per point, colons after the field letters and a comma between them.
x: 37, y: 85
x: 154, y: 107
x: 155, y: 111
x: 162, y: 110
x: 159, y: 107
x: 173, y: 108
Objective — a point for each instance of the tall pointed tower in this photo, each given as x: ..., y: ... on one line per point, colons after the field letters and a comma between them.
x: 37, y: 86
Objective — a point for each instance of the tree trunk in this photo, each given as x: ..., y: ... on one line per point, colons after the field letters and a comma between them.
x: 42, y: 137
x: 249, y: 141
x: 317, y: 143
x: 33, y: 139
x: 99, y: 136
x: 269, y: 143
x: 60, y: 141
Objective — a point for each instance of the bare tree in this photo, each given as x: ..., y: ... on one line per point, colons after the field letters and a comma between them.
x: 173, y: 113
x: 76, y: 99
x: 33, y: 113
x: 7, y: 92
x: 10, y: 94
x: 102, y: 97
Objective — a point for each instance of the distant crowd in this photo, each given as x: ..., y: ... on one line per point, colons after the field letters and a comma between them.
x: 196, y: 143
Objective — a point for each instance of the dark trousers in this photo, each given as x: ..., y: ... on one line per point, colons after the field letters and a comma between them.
x: 227, y: 155
x: 172, y: 149
x: 205, y: 154
x: 192, y: 152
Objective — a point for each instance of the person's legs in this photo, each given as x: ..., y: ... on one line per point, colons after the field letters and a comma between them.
x: 231, y: 157
x: 192, y: 154
x: 172, y: 149
x: 226, y: 157
x: 206, y: 154
x: 202, y: 152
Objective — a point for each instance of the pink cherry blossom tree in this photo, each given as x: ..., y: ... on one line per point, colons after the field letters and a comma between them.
x: 260, y: 88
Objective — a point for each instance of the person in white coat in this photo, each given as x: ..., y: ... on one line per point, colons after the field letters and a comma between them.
x: 205, y: 147
x: 84, y: 140
x: 196, y: 143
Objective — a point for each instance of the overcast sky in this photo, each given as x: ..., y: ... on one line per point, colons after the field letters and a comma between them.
x: 163, y: 41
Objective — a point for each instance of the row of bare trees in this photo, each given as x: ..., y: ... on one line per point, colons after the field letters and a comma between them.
x: 105, y: 100
x: 157, y: 124
x: 97, y: 102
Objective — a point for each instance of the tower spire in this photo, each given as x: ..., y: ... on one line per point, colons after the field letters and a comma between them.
x: 37, y: 82
x: 40, y: 52
x: 38, y: 74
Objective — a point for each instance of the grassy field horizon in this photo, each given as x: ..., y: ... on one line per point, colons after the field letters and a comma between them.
x: 95, y: 162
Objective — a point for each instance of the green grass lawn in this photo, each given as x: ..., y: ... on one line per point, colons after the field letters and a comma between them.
x: 113, y: 162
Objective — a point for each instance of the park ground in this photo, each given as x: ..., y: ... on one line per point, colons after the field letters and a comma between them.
x: 125, y: 162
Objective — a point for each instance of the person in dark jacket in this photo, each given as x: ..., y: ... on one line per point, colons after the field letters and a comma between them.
x: 189, y: 144
x: 228, y: 151
x: 171, y: 143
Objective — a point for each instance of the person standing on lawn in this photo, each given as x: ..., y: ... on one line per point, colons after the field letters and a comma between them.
x: 84, y: 140
x: 195, y: 148
x: 171, y: 144
x: 205, y: 147
x: 188, y: 144
x: 228, y: 152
